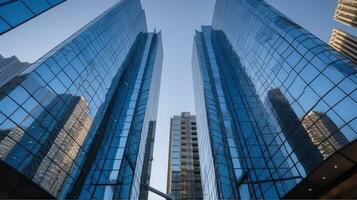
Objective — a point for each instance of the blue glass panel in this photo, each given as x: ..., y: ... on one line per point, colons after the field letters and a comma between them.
x: 3, y: 26
x: 55, y: 2
x: 50, y: 116
x: 15, y: 13
x: 4, y: 1
x: 37, y: 6
x: 291, y: 86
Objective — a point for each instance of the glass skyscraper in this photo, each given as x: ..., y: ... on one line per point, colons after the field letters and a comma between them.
x: 16, y: 12
x: 275, y: 106
x: 80, y: 121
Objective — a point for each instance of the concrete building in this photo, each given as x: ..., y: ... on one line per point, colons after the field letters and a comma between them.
x: 184, y: 179
x: 346, y: 12
x: 344, y: 43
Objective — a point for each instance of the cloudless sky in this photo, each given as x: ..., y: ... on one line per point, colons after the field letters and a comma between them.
x: 177, y: 19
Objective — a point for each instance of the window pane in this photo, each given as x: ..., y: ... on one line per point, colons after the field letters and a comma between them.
x: 37, y: 6
x: 3, y: 26
x: 15, y: 13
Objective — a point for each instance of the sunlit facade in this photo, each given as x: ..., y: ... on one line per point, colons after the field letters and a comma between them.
x: 344, y: 43
x: 184, y: 177
x: 258, y: 77
x: 76, y: 123
x: 346, y: 12
x: 16, y: 12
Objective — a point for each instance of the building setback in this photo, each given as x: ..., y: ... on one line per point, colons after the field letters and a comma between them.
x: 257, y: 76
x: 79, y: 123
x: 184, y: 179
x: 346, y: 12
x: 344, y: 43
x: 16, y: 12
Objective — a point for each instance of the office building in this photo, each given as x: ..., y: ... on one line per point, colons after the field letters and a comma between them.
x: 344, y: 43
x: 9, y: 68
x: 184, y: 179
x: 256, y: 76
x: 79, y: 123
x: 346, y: 12
x: 16, y: 12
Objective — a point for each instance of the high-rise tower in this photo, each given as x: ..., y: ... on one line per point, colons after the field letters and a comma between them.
x: 257, y: 76
x: 80, y: 121
x: 346, y: 12
x: 345, y: 43
x: 184, y: 179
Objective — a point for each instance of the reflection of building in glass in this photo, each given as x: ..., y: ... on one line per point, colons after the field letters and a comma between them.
x: 16, y: 12
x: 344, y: 43
x: 9, y: 68
x: 77, y: 124
x: 62, y: 146
x: 62, y: 131
x: 294, y: 132
x: 119, y: 150
x: 252, y: 143
x: 235, y: 136
x: 323, y: 133
x: 184, y: 179
x: 8, y: 140
x: 346, y: 12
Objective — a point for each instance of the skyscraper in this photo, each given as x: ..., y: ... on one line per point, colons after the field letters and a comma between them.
x: 346, y: 12
x: 184, y: 179
x: 345, y: 43
x: 79, y: 122
x: 16, y: 12
x: 256, y: 76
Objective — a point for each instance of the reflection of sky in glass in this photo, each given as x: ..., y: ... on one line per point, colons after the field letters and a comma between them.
x: 41, y: 102
x: 14, y: 13
x: 313, y: 77
x: 308, y: 110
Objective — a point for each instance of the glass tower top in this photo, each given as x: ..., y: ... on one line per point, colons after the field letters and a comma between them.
x: 275, y: 106
x: 75, y: 123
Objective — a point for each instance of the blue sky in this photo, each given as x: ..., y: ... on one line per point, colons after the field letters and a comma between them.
x: 177, y: 19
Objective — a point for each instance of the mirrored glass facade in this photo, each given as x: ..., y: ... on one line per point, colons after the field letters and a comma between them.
x: 274, y: 105
x: 16, y: 12
x: 10, y: 67
x: 75, y: 123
